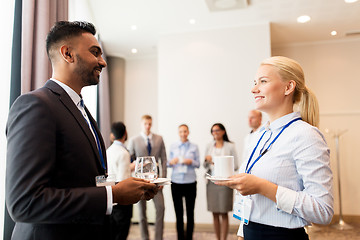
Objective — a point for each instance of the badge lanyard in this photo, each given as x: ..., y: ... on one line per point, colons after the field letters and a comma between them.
x: 263, y: 153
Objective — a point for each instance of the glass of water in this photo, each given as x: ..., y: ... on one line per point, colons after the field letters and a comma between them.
x: 146, y: 168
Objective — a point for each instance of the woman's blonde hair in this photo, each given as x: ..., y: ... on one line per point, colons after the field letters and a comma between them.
x: 289, y: 69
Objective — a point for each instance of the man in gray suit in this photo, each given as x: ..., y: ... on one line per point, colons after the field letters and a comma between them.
x: 55, y: 149
x: 150, y: 144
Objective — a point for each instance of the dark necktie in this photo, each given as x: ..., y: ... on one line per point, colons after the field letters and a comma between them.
x: 96, y: 136
x: 148, y: 146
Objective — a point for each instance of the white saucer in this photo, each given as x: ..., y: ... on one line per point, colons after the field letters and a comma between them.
x: 162, y: 181
x: 218, y: 179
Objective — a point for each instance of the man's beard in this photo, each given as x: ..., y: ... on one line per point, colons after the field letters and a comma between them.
x: 87, y: 76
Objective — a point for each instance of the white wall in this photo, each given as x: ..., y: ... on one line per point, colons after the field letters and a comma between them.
x: 206, y: 77
x: 332, y: 72
x: 79, y: 10
x: 141, y: 89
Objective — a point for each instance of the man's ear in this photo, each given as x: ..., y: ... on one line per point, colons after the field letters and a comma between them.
x: 66, y: 53
x: 112, y: 137
x: 290, y: 87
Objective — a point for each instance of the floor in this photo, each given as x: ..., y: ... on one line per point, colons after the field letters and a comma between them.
x: 315, y: 233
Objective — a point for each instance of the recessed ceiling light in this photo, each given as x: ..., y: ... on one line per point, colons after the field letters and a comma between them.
x: 192, y: 21
x: 134, y: 27
x: 303, y: 19
x: 333, y: 33
x: 134, y: 50
x: 225, y: 4
x: 350, y: 1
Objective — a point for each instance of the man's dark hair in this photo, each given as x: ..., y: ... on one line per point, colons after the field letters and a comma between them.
x: 64, y: 30
x: 118, y: 129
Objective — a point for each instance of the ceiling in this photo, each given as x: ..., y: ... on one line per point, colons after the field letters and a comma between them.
x: 153, y: 18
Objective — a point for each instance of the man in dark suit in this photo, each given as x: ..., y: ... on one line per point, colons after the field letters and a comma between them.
x: 150, y: 144
x: 55, y: 149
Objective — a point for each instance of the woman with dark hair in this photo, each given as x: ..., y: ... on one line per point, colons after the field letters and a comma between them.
x: 219, y: 198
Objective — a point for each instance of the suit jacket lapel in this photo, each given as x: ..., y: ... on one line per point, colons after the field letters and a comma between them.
x: 153, y: 145
x: 69, y: 104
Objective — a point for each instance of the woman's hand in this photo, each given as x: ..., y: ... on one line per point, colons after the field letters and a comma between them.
x: 248, y: 184
x: 208, y: 158
x: 187, y: 161
x: 174, y: 161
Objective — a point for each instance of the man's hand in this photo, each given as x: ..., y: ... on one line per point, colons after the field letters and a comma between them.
x: 131, y: 190
x: 132, y: 166
x: 150, y: 194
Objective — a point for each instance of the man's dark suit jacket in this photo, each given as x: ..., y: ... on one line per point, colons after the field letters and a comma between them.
x: 52, y: 161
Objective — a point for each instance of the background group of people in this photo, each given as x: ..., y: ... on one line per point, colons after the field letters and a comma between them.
x: 184, y: 158
x: 55, y: 150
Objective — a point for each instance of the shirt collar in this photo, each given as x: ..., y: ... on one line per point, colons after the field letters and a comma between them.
x: 280, y: 122
x: 72, y: 94
x: 257, y: 130
x: 117, y: 142
x: 145, y: 136
x: 185, y: 144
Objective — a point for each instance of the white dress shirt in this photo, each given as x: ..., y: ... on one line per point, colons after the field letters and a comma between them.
x: 247, y: 146
x: 76, y: 99
x: 146, y: 137
x: 118, y: 161
x: 299, y: 163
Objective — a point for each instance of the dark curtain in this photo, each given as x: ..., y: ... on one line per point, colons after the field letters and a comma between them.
x: 15, y: 82
x: 38, y: 16
x: 32, y: 22
x: 15, y: 89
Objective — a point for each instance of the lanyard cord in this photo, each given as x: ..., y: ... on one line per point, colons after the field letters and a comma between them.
x: 252, y: 154
x: 261, y: 150
x: 263, y: 153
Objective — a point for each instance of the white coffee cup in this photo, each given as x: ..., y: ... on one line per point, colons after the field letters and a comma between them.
x: 223, y: 166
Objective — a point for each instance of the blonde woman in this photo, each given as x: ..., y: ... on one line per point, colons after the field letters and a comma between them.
x: 286, y: 181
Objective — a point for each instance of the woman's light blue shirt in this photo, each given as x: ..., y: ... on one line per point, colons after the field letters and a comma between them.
x: 189, y: 151
x: 299, y: 163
